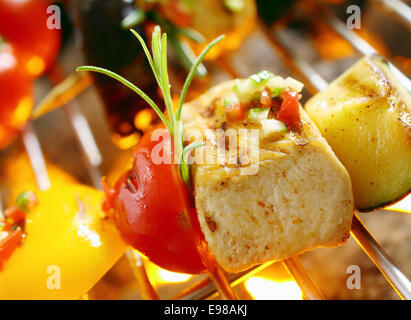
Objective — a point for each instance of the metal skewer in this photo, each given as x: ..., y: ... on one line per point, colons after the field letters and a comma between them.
x: 205, y: 289
x: 219, y: 277
x: 137, y: 265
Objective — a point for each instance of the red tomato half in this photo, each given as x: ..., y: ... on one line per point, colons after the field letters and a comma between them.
x: 16, y: 94
x: 154, y: 214
x: 24, y: 23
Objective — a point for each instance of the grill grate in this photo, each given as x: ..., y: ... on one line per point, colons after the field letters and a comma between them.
x: 219, y: 281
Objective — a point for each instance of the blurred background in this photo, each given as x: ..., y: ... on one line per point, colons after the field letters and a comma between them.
x: 97, y: 120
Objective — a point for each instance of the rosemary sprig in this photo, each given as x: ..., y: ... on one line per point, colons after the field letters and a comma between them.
x: 184, y: 168
x: 158, y: 64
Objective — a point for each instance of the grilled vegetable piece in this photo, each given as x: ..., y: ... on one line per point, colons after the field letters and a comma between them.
x: 67, y: 245
x: 16, y: 93
x: 25, y: 24
x: 16, y: 173
x: 213, y: 18
x: 365, y: 117
x: 299, y: 198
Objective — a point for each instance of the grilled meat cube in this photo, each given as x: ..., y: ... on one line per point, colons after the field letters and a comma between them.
x: 299, y: 197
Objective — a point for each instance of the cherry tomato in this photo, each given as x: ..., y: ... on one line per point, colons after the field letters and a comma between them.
x: 24, y: 23
x: 16, y: 94
x: 290, y: 108
x: 153, y: 212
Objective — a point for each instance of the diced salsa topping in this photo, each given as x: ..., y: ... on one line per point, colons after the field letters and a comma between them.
x: 266, y: 99
x: 290, y: 108
x: 234, y: 112
x: 271, y: 127
x: 12, y: 224
x: 251, y: 88
x: 257, y: 115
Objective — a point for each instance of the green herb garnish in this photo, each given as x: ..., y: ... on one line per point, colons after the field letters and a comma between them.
x: 277, y: 91
x: 258, y: 114
x: 158, y: 64
x: 261, y: 77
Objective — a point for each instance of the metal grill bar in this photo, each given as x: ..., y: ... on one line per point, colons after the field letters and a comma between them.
x: 33, y: 149
x: 86, y: 142
x: 81, y: 130
x: 313, y: 81
x: 300, y: 275
x: 399, y: 9
x: 359, y: 43
x: 381, y: 259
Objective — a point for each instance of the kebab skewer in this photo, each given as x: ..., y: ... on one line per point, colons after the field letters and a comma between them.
x: 152, y: 203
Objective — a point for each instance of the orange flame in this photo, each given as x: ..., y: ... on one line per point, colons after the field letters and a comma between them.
x: 262, y: 288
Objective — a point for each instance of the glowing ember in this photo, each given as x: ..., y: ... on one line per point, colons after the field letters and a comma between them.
x: 331, y: 46
x: 143, y: 119
x: 167, y: 276
x: 267, y: 289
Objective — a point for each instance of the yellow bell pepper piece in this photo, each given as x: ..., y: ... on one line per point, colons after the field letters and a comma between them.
x: 68, y: 247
